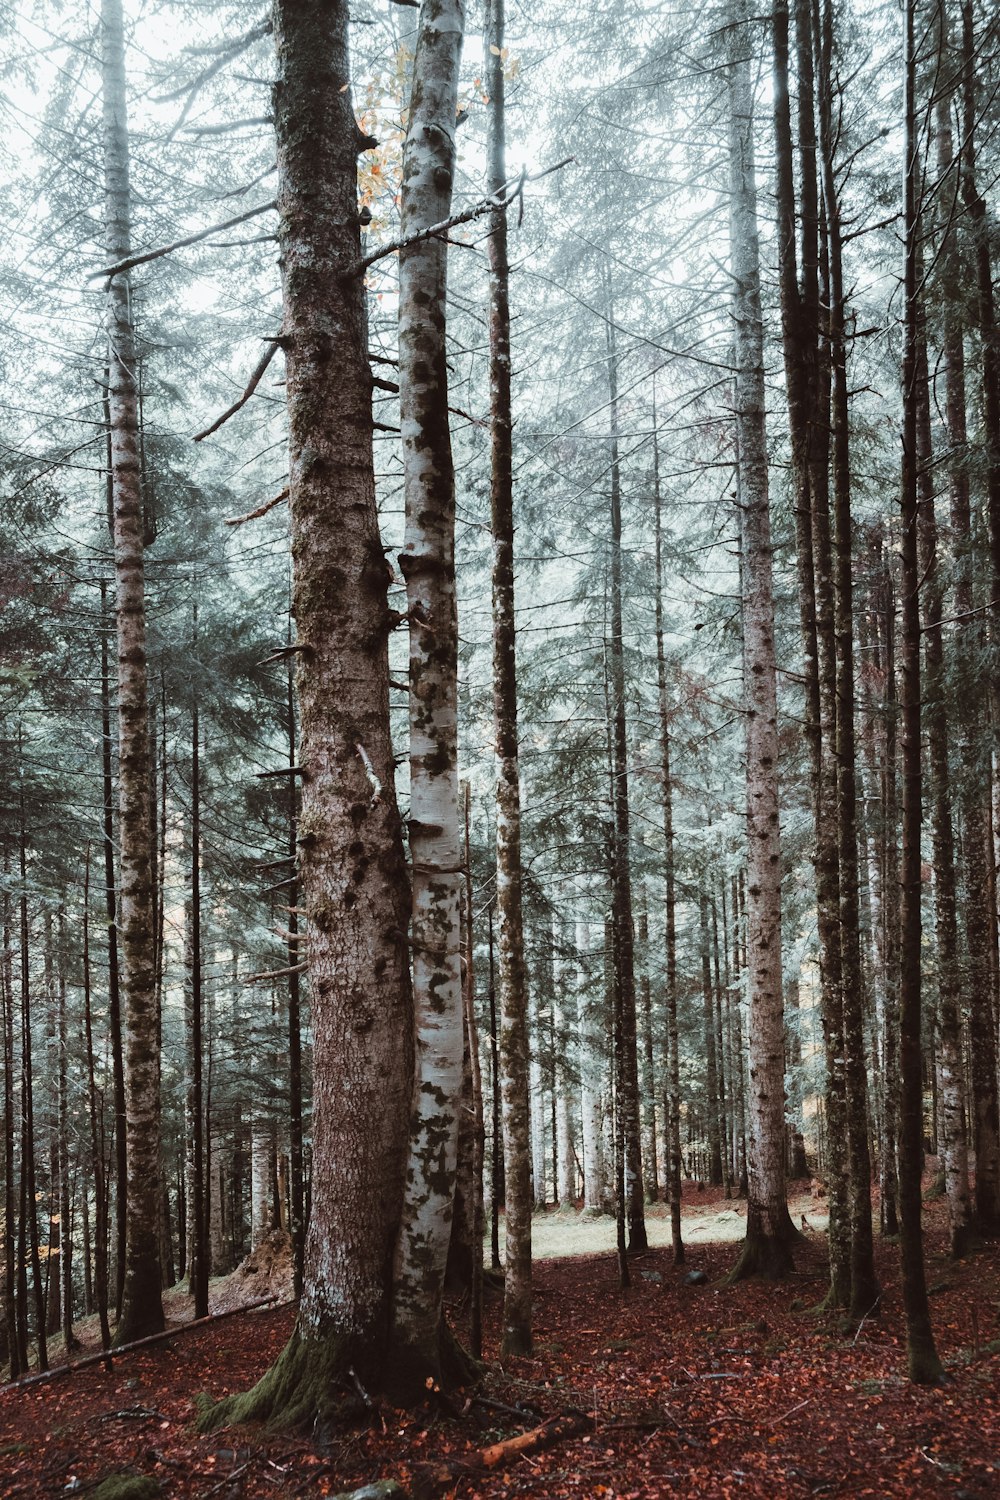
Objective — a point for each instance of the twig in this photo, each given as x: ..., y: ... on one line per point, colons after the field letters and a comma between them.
x: 230, y: 1477
x: 373, y: 780
x: 791, y: 1410
x: 260, y: 510
x: 276, y: 973
x: 499, y: 200
x: 864, y: 1320
x: 252, y: 384
x: 189, y: 239
x: 138, y: 1413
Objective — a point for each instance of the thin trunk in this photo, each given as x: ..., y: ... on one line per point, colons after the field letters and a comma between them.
x: 710, y: 1048
x: 672, y: 1089
x: 981, y: 925
x: 96, y: 1110
x: 114, y: 985
x: 924, y: 1365
x: 514, y: 1062
x: 197, y: 1208
x: 621, y: 872
x: 29, y: 1195
x: 142, y: 1306
x: 65, y: 1234
x: 10, y: 1200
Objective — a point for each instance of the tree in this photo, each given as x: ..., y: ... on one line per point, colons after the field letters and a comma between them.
x: 770, y: 1233
x: 511, y: 967
x: 351, y: 870
x: 142, y: 1307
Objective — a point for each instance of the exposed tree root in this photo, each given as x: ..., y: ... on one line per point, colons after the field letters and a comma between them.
x: 767, y: 1250
x: 306, y: 1382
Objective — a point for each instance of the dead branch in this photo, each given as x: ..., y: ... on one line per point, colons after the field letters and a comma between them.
x: 283, y: 651
x: 225, y: 126
x: 189, y: 239
x: 566, y: 1425
x: 276, y: 973
x: 259, y: 510
x: 252, y: 384
x: 501, y: 200
x: 107, y: 1355
x: 283, y: 771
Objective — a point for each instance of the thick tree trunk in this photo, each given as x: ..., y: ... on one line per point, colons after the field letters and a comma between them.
x: 10, y: 1197
x: 428, y: 565
x: 96, y: 1112
x: 767, y: 1248
x: 142, y: 1307
x: 351, y: 868
x: 297, y: 948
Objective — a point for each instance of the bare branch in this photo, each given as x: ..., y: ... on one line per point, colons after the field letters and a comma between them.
x: 510, y: 191
x: 253, y: 515
x: 252, y: 384
x: 189, y: 239
x: 225, y: 126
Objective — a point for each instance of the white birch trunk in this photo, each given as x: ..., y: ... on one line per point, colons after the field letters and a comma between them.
x: 769, y: 1229
x: 428, y: 565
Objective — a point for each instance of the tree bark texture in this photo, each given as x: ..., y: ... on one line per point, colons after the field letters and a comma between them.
x: 767, y: 1248
x: 428, y: 565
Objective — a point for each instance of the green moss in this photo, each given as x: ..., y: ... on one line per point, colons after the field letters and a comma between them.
x: 303, y: 1384
x: 127, y: 1487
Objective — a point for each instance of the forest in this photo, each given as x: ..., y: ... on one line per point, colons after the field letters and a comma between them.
x: 500, y: 748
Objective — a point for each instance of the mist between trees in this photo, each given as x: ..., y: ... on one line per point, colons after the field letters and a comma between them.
x: 500, y: 603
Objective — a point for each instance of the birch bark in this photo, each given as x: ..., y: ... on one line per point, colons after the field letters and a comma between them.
x: 767, y: 1248
x: 428, y: 565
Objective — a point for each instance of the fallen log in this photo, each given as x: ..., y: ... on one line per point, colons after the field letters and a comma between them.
x: 105, y: 1356
x: 566, y: 1425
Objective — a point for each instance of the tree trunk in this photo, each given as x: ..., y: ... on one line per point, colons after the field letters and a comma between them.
x: 981, y: 926
x: 767, y: 1248
x: 428, y: 565
x: 142, y: 1307
x: 513, y: 987
x: 197, y: 1206
x: 627, y: 1101
x: 296, y: 948
x: 111, y: 907
x: 10, y: 1198
x: 672, y: 1082
x: 924, y: 1365
x: 351, y: 869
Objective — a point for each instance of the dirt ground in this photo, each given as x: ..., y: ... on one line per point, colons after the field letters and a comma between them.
x: 696, y: 1390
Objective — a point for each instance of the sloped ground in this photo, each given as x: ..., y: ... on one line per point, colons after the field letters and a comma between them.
x: 695, y: 1390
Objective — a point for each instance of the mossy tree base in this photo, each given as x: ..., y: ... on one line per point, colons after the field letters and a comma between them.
x: 323, y: 1380
x: 767, y: 1249
x: 306, y: 1383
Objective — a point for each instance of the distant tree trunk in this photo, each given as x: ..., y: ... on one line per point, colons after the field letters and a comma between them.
x: 351, y: 869
x: 10, y: 1197
x: 114, y: 986
x: 672, y: 1082
x: 589, y: 1052
x: 770, y: 1234
x: 96, y: 1111
x: 428, y: 565
x: 514, y: 1058
x: 29, y: 1194
x: 496, y: 1154
x: 924, y: 1365
x: 709, y: 1047
x: 566, y: 1068
x: 142, y: 1306
x: 627, y: 1102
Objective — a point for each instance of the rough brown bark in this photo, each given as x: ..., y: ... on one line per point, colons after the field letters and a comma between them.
x: 351, y: 868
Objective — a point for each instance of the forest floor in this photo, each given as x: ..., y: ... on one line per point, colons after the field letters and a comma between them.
x: 699, y: 1390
